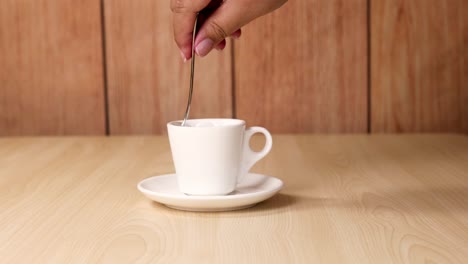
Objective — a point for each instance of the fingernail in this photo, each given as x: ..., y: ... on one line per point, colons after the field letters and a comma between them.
x: 183, y: 57
x: 204, y: 47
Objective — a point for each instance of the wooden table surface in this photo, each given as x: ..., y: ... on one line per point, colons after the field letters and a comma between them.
x: 347, y: 199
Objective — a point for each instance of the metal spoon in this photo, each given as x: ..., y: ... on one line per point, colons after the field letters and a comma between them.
x: 192, y: 71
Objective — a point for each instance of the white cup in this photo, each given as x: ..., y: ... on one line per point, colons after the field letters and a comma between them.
x: 212, y: 155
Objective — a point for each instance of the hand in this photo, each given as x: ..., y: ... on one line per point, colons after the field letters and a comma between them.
x: 217, y: 20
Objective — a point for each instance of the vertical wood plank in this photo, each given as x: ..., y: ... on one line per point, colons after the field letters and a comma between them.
x: 419, y: 66
x: 148, y: 82
x: 51, y: 78
x: 304, y: 68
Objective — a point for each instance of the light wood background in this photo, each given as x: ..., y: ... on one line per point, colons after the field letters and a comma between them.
x: 324, y: 66
x: 419, y: 65
x: 147, y: 80
x: 304, y: 68
x: 51, y: 68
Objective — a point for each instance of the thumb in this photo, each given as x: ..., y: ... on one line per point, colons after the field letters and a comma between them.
x: 224, y: 21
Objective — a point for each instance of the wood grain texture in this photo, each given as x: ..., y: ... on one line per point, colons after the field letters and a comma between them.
x: 347, y: 199
x: 304, y: 68
x: 51, y: 77
x: 419, y: 66
x: 148, y: 82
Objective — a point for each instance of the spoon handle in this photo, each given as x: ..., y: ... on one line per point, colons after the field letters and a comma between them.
x: 192, y: 73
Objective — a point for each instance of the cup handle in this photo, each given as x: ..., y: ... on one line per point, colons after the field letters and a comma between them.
x: 249, y: 156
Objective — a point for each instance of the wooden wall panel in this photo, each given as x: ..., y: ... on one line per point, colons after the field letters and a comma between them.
x: 304, y: 68
x: 148, y: 82
x: 51, y: 77
x: 419, y: 66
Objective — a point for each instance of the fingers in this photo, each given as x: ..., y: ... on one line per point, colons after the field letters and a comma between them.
x: 236, y: 34
x: 223, y: 22
x: 186, y: 51
x: 183, y: 30
x: 218, y: 19
x: 185, y: 12
x: 221, y: 45
x: 227, y: 19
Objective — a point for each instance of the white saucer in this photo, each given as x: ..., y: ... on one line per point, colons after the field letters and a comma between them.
x: 253, y: 189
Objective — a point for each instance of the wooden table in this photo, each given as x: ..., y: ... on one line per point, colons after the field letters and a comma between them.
x: 347, y: 199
